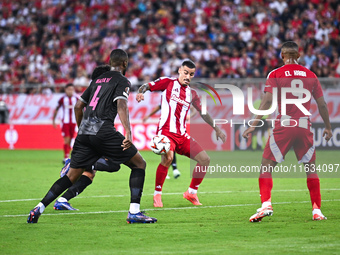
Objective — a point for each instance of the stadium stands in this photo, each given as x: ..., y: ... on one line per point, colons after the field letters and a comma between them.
x: 45, y: 44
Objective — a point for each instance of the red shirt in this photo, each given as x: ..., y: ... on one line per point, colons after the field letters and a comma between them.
x: 293, y: 76
x: 176, y: 100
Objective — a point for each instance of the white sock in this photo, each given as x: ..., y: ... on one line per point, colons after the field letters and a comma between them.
x: 134, y: 208
x: 42, y: 207
x: 265, y: 204
x: 317, y: 211
x: 192, y: 191
x: 157, y: 192
x: 62, y: 200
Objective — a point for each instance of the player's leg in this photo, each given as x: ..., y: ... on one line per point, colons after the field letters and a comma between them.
x: 175, y: 171
x: 266, y: 186
x: 109, y: 144
x: 82, y: 155
x: 313, y: 184
x: 161, y: 173
x: 57, y: 188
x: 137, y: 165
x: 305, y: 153
x: 67, y: 147
x: 82, y: 183
x: 190, y: 148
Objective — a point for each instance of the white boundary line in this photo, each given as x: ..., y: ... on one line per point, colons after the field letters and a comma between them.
x: 167, y: 209
x: 165, y: 194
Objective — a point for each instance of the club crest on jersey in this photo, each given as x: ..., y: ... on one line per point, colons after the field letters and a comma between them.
x: 178, y: 100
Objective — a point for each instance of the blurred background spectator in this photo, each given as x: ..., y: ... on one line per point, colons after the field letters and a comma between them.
x: 45, y: 44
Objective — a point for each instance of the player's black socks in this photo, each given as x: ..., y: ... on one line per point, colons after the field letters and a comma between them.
x: 136, y: 184
x: 57, y: 188
x: 174, y: 162
x: 77, y: 188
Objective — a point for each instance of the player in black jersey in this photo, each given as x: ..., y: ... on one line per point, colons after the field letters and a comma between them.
x: 104, y: 98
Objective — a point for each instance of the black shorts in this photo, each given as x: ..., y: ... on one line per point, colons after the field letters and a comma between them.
x: 88, y: 149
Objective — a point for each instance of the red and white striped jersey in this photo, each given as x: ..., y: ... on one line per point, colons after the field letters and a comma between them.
x: 67, y: 104
x: 175, y: 104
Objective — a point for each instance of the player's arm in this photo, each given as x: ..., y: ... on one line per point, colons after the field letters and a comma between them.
x: 323, y: 110
x: 123, y: 112
x: 266, y: 102
x: 142, y: 89
x: 154, y: 110
x: 78, y: 111
x: 55, y: 115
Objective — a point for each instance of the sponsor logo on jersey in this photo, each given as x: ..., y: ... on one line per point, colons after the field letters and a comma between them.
x: 178, y: 100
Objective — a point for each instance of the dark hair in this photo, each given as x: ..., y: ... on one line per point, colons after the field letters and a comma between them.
x: 290, y: 45
x: 117, y: 57
x: 189, y: 63
x: 99, y: 70
x: 69, y: 85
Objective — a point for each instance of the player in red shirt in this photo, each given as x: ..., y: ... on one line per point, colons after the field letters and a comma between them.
x: 292, y: 129
x: 68, y: 121
x: 175, y: 104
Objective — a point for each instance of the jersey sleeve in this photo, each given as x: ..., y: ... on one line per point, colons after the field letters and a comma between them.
x: 60, y: 102
x: 85, y: 97
x: 122, y: 90
x: 270, y: 82
x: 159, y: 84
x: 317, y: 89
x: 196, y: 101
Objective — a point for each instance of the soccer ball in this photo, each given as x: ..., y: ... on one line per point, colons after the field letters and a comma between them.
x: 160, y: 144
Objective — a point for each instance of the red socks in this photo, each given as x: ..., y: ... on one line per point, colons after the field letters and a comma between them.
x: 197, y: 176
x: 67, y: 149
x: 313, y: 184
x: 161, y: 174
x: 266, y: 185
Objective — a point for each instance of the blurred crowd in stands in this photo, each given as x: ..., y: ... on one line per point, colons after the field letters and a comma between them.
x: 45, y: 44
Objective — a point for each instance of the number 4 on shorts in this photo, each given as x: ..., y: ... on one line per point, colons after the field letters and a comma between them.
x: 95, y: 99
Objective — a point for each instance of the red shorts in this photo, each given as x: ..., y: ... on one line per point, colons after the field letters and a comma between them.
x: 68, y: 129
x: 283, y: 138
x: 183, y: 144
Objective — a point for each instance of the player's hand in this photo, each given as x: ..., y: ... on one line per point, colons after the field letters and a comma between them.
x: 127, y: 143
x: 54, y: 125
x: 140, y: 97
x: 327, y: 134
x: 145, y: 119
x: 248, y: 131
x: 221, y: 135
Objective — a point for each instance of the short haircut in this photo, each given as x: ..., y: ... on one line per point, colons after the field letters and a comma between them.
x: 69, y: 85
x: 189, y: 63
x: 117, y: 57
x: 290, y: 46
x: 99, y: 70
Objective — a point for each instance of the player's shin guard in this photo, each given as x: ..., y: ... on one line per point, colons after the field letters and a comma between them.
x: 161, y: 174
x: 57, y: 188
x: 197, y: 176
x: 313, y: 184
x: 137, y: 177
x: 266, y: 185
x: 77, y: 188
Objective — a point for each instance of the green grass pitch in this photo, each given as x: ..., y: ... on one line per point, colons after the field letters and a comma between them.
x: 220, y: 226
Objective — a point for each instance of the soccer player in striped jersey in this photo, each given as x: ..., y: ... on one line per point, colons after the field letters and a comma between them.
x: 68, y: 121
x: 177, y: 96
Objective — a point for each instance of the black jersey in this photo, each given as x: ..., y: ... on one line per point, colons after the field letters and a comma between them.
x: 101, y: 101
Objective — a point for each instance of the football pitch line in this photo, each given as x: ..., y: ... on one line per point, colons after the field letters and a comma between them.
x: 167, y: 194
x: 167, y: 209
